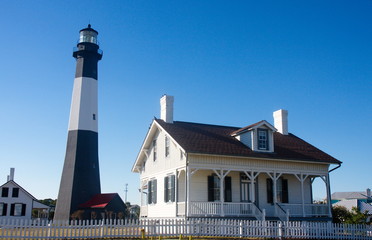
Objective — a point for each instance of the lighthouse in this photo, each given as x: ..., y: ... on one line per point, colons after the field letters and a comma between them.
x: 80, y: 179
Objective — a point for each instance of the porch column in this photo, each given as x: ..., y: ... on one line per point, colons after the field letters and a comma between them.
x: 141, y: 192
x: 275, y: 199
x: 252, y: 178
x: 302, y: 178
x: 329, y: 196
x: 188, y: 175
x: 275, y: 176
x: 325, y: 178
x: 302, y: 195
x: 176, y: 191
x: 222, y: 174
x: 222, y: 197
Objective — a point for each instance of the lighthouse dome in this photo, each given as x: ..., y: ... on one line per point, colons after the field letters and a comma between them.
x: 88, y: 35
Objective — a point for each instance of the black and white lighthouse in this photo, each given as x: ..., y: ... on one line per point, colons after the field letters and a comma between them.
x: 80, y: 177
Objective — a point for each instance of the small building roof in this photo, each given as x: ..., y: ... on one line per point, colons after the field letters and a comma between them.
x: 99, y: 200
x: 348, y: 195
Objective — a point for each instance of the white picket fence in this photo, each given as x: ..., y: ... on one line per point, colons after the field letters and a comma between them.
x: 201, y: 227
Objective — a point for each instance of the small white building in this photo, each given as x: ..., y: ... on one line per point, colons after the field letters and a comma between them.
x: 259, y: 171
x: 17, y: 203
x: 360, y: 200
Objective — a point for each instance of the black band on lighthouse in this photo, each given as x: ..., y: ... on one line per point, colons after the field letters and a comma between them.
x: 87, y: 56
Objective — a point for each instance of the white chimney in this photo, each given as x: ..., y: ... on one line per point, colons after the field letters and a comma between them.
x: 166, y: 108
x: 11, y: 176
x: 281, y: 121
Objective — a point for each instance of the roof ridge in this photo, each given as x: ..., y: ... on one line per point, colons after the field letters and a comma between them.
x: 204, y: 124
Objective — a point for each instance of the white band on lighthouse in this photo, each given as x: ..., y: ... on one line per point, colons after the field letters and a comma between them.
x: 83, y: 114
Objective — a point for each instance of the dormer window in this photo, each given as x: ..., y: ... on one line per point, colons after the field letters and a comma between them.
x: 263, y: 139
x: 258, y: 136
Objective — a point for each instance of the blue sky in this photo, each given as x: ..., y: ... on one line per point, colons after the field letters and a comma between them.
x: 226, y: 62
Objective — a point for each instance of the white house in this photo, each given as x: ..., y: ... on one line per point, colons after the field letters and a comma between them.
x: 258, y: 171
x: 17, y: 203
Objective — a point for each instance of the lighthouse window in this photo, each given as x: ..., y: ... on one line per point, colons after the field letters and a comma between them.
x: 94, y: 116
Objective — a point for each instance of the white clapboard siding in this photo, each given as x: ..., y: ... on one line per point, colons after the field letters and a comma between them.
x: 202, y: 227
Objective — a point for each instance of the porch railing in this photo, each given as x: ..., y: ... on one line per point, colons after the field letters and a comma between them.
x: 228, y: 209
x: 282, y: 214
x: 309, y: 210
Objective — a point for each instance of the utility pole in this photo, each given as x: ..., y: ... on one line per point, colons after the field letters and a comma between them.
x: 126, y: 192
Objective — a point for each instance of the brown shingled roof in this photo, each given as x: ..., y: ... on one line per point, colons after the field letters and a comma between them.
x: 217, y: 140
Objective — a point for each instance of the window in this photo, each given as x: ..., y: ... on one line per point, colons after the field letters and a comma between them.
x: 144, y: 166
x: 94, y: 116
x: 152, y: 185
x: 214, y: 189
x: 154, y: 147
x: 4, y: 192
x: 17, y: 209
x: 281, y: 190
x: 15, y: 192
x: 169, y: 188
x: 263, y: 139
x: 181, y: 155
x: 244, y: 188
x: 166, y: 146
x: 3, y: 208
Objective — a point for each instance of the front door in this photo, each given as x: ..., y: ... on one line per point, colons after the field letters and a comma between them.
x: 244, y: 188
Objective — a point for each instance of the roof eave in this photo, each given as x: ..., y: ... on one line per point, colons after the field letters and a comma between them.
x: 264, y: 158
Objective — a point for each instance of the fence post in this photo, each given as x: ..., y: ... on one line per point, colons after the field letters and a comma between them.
x: 241, y: 229
x: 280, y: 234
x: 143, y: 233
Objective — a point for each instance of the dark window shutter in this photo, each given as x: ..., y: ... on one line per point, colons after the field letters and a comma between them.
x: 210, y: 189
x: 149, y: 193
x: 166, y: 189
x: 285, y: 190
x: 155, y: 190
x: 12, y: 209
x: 23, y: 210
x: 228, y: 195
x: 173, y: 193
x: 5, y: 206
x: 269, y: 188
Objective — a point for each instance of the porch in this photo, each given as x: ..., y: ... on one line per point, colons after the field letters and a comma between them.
x: 250, y: 210
x: 250, y: 194
x: 239, y: 193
